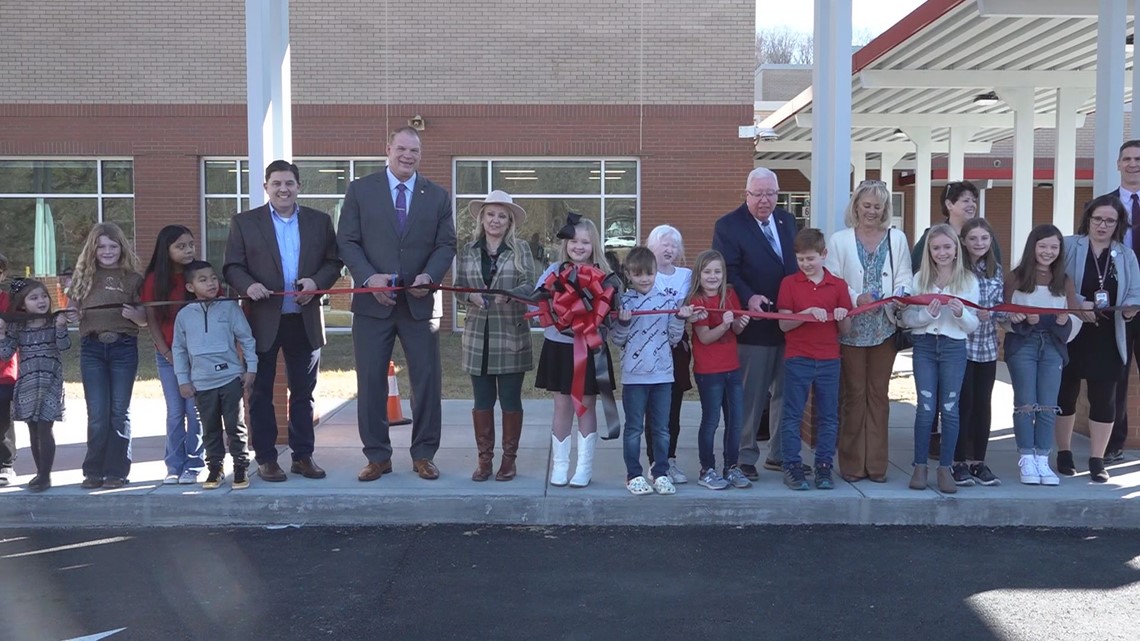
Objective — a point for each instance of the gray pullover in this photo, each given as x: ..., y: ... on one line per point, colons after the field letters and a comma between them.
x: 204, y: 337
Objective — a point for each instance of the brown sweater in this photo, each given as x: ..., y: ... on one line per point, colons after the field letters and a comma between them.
x: 110, y: 286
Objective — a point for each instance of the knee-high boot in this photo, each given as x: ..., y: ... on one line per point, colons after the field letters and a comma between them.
x: 484, y: 422
x: 512, y: 431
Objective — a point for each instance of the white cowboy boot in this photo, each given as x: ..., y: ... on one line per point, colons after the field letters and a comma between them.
x: 585, y: 467
x: 560, y: 460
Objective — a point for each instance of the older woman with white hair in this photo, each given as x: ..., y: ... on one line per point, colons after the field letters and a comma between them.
x: 496, y: 338
x: 874, y: 260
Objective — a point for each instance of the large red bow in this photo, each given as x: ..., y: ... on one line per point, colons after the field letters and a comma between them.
x: 580, y: 300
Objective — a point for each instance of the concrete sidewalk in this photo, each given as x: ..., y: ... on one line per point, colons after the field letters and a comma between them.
x: 403, y: 498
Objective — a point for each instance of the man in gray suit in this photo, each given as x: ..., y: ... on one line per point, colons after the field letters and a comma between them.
x: 397, y: 229
x: 279, y: 247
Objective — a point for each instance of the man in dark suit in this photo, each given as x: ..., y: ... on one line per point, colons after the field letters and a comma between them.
x: 396, y: 229
x: 756, y: 240
x: 1128, y: 163
x: 281, y: 247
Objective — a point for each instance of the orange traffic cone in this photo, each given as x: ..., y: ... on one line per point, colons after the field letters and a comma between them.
x: 395, y: 412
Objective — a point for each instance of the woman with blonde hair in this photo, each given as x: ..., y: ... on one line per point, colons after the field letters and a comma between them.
x: 107, y: 273
x: 874, y: 261
x: 496, y: 337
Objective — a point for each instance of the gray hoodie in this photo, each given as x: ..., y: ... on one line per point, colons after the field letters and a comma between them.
x: 204, y: 336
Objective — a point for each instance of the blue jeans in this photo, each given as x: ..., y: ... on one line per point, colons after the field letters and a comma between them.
x: 939, y: 366
x: 638, y: 402
x: 1035, y: 371
x: 184, y: 447
x: 822, y: 377
x: 108, y: 371
x: 721, y: 391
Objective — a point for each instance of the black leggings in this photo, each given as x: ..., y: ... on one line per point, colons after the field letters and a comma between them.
x: 975, y: 421
x: 42, y: 446
x: 508, y: 388
x: 1101, y: 396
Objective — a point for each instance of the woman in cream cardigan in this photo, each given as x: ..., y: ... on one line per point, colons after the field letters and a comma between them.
x: 874, y: 260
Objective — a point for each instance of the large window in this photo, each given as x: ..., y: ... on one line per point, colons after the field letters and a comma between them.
x: 603, y: 190
x: 48, y: 206
x: 225, y: 189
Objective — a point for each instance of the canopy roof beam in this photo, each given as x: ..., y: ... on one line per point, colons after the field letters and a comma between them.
x: 980, y: 78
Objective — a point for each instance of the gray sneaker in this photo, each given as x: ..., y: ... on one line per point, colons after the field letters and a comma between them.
x: 7, y: 476
x: 675, y: 474
x: 711, y: 479
x: 737, y: 478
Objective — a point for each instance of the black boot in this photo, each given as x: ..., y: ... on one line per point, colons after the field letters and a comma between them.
x: 1096, y: 470
x: 1065, y: 464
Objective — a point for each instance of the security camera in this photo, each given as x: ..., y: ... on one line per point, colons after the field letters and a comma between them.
x: 767, y: 133
x: 416, y: 122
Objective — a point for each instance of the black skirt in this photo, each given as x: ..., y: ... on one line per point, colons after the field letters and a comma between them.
x: 556, y: 369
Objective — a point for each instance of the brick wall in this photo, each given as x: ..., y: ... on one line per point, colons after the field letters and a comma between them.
x: 368, y: 52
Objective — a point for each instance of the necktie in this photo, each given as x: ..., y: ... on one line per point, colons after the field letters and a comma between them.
x: 1136, y: 223
x: 401, y: 207
x: 766, y: 226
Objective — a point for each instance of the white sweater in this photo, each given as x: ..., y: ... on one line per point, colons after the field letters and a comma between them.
x: 843, y: 261
x: 919, y: 320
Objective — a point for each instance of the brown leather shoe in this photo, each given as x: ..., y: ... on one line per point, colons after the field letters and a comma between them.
x: 271, y: 472
x: 426, y: 469
x: 307, y: 468
x: 373, y: 471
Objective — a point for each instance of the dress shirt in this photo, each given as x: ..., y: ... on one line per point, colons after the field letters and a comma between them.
x: 289, y: 245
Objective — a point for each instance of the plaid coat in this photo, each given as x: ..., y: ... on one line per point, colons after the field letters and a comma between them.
x: 509, y: 345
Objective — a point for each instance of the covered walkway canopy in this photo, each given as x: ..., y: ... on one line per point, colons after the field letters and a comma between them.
x: 956, y: 75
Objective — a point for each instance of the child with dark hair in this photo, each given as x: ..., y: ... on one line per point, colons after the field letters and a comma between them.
x: 38, y: 393
x: 210, y: 372
x: 811, y: 357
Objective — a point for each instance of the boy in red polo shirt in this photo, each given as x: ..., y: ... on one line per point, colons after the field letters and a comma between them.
x: 811, y: 357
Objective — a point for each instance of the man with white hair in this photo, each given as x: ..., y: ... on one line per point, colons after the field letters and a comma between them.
x: 756, y: 241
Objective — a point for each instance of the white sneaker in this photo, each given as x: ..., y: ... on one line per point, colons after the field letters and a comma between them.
x: 171, y: 479
x: 1030, y: 475
x: 189, y: 477
x: 675, y: 474
x: 1046, y: 472
x: 664, y: 486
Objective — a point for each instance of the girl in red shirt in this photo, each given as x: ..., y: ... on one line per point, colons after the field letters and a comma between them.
x: 717, y: 369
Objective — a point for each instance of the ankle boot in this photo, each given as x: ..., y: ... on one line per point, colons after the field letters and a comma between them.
x: 946, y: 483
x: 1065, y: 464
x: 484, y: 422
x: 559, y: 460
x: 918, y: 478
x: 585, y: 467
x: 512, y: 431
x: 1096, y: 470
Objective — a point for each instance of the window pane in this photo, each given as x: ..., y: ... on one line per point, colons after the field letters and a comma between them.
x: 17, y: 225
x: 621, y: 178
x: 471, y: 177
x: 621, y: 224
x: 121, y: 211
x: 546, y: 177
x: 118, y: 177
x: 48, y: 177
x: 362, y: 168
x: 330, y: 206
x: 323, y: 176
x: 218, y: 214
x: 220, y: 176
x: 245, y: 177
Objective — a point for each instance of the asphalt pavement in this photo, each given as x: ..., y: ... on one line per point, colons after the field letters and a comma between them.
x: 496, y: 582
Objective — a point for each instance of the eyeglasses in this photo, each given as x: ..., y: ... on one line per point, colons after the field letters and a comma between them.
x: 1102, y: 222
x: 769, y: 195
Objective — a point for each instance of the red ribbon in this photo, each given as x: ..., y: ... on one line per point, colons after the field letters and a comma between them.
x: 579, y: 302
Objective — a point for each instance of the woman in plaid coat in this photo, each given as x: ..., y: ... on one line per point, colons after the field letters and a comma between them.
x: 496, y: 337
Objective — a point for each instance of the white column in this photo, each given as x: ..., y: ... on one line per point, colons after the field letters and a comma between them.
x: 1065, y: 159
x: 920, y: 136
x: 887, y: 162
x: 858, y: 168
x: 269, y: 93
x: 956, y: 161
x: 1021, y: 217
x: 1110, y: 33
x: 831, y: 114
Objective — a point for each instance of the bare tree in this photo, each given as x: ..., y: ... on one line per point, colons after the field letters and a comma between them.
x: 782, y: 45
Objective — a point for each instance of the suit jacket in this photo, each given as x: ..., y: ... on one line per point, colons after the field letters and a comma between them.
x: 370, y: 243
x: 253, y: 256
x: 754, y: 267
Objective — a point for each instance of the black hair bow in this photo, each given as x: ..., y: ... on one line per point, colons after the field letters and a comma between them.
x: 567, y: 232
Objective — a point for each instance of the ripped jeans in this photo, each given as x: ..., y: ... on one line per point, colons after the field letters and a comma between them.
x: 939, y: 365
x: 1035, y: 371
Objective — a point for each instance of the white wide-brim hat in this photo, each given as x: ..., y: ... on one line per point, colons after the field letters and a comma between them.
x: 499, y: 197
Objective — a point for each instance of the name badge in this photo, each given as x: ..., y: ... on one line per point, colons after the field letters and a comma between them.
x: 1100, y: 299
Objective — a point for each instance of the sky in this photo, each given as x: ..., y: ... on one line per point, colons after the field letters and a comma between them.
x: 874, y: 16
